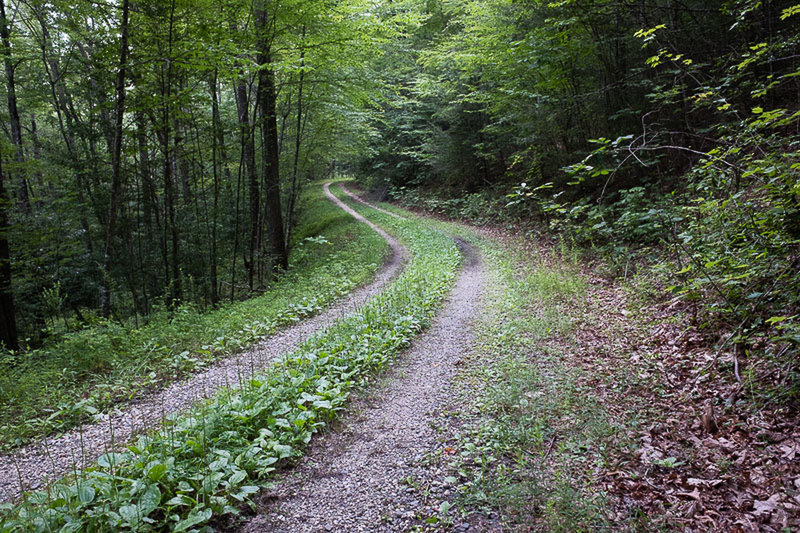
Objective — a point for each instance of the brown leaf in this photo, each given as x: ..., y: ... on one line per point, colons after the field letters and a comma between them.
x: 695, y: 494
x: 766, y: 507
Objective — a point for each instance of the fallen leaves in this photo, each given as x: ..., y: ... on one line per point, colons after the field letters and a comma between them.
x: 691, y: 450
x: 704, y: 460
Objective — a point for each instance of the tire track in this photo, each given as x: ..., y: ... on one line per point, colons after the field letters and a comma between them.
x: 368, y: 204
x: 356, y: 479
x: 34, y: 465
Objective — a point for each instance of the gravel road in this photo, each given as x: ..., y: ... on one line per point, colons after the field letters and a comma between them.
x: 367, y: 475
x: 362, y: 201
x: 33, y: 465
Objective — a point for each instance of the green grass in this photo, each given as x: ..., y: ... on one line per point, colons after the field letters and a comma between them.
x: 528, y: 429
x: 57, y: 386
x: 534, y: 426
x: 208, y: 463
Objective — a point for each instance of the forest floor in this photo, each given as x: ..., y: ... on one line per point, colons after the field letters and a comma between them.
x: 32, y: 466
x: 566, y: 402
x: 543, y: 397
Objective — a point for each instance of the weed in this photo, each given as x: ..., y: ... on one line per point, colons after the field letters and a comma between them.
x: 210, y: 461
x: 105, y: 363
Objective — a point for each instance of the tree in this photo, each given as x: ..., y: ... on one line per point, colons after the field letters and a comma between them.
x: 116, y: 163
x: 267, y: 102
x: 8, y: 323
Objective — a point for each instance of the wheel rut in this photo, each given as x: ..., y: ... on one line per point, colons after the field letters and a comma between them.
x: 356, y: 478
x: 34, y: 465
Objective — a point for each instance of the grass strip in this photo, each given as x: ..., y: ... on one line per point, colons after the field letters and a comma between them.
x: 531, y: 426
x: 529, y: 430
x: 208, y: 463
x: 90, y: 370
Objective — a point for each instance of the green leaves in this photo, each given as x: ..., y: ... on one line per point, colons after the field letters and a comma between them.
x: 196, y: 516
x: 157, y: 471
x: 110, y: 460
x: 790, y: 11
x: 86, y: 493
x: 131, y: 514
x: 211, y: 459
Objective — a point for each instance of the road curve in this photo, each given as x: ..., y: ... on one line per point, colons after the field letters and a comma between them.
x: 356, y: 479
x: 34, y: 465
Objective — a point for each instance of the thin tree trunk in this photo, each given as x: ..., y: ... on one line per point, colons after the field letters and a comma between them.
x: 169, y: 189
x: 248, y: 153
x: 8, y: 322
x: 214, y: 162
x: 297, y: 139
x: 116, y: 163
x: 236, y: 230
x: 13, y: 112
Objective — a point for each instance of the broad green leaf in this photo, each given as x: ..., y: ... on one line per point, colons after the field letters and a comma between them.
x: 86, y: 493
x: 150, y: 500
x: 130, y: 513
x: 195, y: 517
x: 157, y: 472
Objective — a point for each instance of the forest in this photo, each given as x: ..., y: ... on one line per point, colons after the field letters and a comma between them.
x: 624, y: 174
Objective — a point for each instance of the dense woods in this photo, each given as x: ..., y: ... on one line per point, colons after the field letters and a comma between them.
x: 154, y: 151
x: 162, y: 210
x: 660, y: 135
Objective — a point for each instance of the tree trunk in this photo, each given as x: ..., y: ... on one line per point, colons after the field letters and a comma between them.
x: 266, y: 99
x: 13, y: 112
x: 169, y: 186
x: 249, y: 160
x: 215, y: 142
x: 297, y: 139
x: 8, y: 322
x: 116, y: 157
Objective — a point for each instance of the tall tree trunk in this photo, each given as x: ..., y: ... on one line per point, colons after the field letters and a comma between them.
x: 251, y: 175
x: 8, y: 322
x: 13, y: 112
x: 215, y: 144
x: 236, y: 231
x: 116, y: 163
x: 169, y: 174
x: 297, y: 139
x: 151, y: 209
x: 267, y: 102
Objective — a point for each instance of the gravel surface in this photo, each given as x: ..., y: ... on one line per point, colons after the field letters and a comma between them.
x: 33, y: 465
x: 373, y: 206
x: 378, y: 472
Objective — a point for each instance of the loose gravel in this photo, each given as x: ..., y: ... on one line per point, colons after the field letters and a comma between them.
x: 378, y: 471
x: 33, y: 466
x: 368, y: 204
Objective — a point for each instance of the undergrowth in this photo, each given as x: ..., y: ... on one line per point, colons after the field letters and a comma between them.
x: 533, y: 431
x: 529, y: 430
x: 57, y: 386
x: 208, y: 463
x: 729, y: 259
